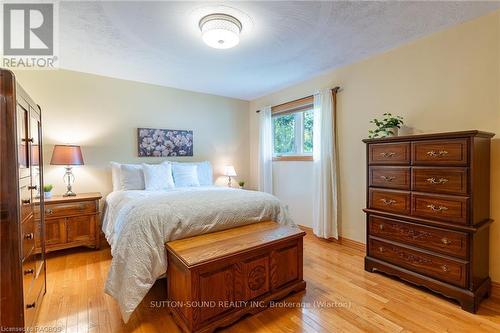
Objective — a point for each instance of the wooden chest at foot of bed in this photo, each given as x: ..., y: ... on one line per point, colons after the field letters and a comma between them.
x: 215, y: 279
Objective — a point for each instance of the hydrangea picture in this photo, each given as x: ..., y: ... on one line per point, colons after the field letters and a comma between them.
x: 164, y: 142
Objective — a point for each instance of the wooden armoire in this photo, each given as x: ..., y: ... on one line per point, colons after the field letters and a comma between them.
x: 23, y: 277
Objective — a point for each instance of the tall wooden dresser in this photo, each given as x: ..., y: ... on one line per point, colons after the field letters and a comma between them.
x: 21, y: 177
x: 428, y: 205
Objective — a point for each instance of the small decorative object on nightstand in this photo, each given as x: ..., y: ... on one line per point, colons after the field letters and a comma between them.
x: 229, y: 172
x: 67, y: 155
x: 242, y: 184
x: 47, y: 191
x: 70, y: 221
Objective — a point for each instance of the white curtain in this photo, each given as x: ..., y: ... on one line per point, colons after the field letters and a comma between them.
x: 265, y: 151
x: 325, y: 205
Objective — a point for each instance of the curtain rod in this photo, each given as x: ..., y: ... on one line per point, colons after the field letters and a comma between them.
x: 336, y: 90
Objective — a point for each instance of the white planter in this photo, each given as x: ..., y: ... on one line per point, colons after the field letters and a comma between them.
x: 47, y: 195
x: 394, y: 131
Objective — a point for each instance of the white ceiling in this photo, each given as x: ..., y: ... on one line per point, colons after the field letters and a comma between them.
x: 289, y: 41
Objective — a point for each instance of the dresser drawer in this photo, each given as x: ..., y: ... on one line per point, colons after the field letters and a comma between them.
x: 389, y: 200
x: 440, y: 152
x: 38, y: 234
x: 68, y: 209
x: 26, y: 202
x: 440, y: 207
x: 33, y: 298
x: 29, y: 273
x: 389, y: 153
x: 444, y: 269
x: 28, y: 236
x: 449, y: 242
x: 440, y: 180
x: 390, y: 177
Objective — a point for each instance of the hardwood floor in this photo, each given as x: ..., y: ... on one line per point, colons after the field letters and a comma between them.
x: 340, y: 295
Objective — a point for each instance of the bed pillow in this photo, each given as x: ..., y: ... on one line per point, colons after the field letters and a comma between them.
x: 115, y: 176
x: 158, y: 177
x: 131, y: 177
x: 205, y: 172
x: 185, y: 175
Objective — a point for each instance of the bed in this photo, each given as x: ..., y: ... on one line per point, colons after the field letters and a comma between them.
x: 137, y: 224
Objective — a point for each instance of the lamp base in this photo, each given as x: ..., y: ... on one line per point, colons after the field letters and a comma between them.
x: 69, y: 179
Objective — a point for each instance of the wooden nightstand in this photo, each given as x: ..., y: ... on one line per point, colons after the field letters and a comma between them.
x: 71, y: 222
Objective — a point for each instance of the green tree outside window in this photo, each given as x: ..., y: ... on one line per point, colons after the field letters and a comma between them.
x: 293, y: 133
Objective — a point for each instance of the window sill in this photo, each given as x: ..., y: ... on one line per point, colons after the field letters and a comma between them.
x: 302, y: 158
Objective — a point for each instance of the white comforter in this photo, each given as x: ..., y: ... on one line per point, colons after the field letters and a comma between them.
x: 138, y: 223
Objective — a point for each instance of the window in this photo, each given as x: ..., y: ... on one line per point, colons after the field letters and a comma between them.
x: 293, y: 130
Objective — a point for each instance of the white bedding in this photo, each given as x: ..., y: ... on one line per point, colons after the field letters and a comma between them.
x: 138, y: 223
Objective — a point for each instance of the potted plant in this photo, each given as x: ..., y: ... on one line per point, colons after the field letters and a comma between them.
x: 241, y: 183
x: 47, y: 190
x: 388, y: 126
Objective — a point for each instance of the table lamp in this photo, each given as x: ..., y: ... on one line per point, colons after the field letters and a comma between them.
x: 229, y: 172
x: 67, y: 155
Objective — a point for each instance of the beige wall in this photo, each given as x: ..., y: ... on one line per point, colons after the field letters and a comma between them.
x: 102, y: 115
x: 445, y: 82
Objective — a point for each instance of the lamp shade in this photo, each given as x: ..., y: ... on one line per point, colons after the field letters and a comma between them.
x: 229, y: 171
x: 66, y: 155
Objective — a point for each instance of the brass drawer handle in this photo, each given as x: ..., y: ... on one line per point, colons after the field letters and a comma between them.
x: 26, y: 201
x: 381, y: 249
x: 29, y: 271
x: 34, y: 187
x: 388, y: 178
x: 387, y: 154
x: 439, y: 181
x: 31, y: 305
x: 49, y: 211
x: 445, y: 241
x: 445, y: 268
x: 29, y: 235
x: 381, y: 226
x: 437, y: 208
x: 31, y: 140
x: 433, y: 153
x: 388, y: 202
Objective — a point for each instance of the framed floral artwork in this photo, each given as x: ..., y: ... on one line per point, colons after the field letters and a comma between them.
x: 154, y: 142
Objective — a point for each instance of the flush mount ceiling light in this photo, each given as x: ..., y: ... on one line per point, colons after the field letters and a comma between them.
x: 220, y: 31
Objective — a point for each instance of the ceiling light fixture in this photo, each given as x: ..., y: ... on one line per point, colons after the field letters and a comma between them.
x: 220, y: 31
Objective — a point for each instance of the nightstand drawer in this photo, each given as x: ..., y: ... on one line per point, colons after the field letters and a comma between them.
x: 69, y: 209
